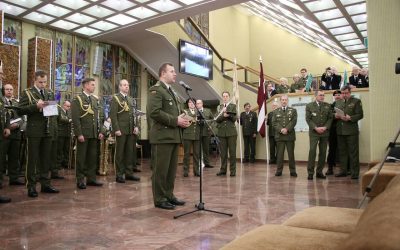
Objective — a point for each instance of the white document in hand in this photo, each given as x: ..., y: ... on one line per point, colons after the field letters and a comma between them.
x: 51, y: 109
x: 339, y: 112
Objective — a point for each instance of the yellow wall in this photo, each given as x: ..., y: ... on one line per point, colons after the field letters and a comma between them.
x: 384, y: 49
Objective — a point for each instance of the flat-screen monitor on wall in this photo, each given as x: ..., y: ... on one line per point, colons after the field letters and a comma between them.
x: 195, y: 60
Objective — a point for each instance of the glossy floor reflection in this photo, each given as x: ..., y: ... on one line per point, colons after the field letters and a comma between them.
x: 122, y: 216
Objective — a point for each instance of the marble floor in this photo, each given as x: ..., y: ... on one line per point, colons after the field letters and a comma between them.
x: 122, y: 216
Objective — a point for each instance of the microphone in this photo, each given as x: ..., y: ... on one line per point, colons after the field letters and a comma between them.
x: 187, y: 87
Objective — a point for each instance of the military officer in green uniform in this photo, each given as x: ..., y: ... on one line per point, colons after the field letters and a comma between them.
x: 271, y: 134
x: 32, y: 102
x: 284, y: 120
x: 283, y: 87
x: 123, y: 127
x: 87, y: 119
x: 205, y: 132
x: 248, y: 120
x: 347, y: 131
x: 53, y: 128
x: 164, y: 112
x: 227, y: 134
x: 5, y: 133
x: 11, y: 144
x: 319, y: 119
x: 64, y: 134
x: 191, y: 139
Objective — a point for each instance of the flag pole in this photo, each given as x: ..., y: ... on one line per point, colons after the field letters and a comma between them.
x: 236, y: 86
x: 265, y: 126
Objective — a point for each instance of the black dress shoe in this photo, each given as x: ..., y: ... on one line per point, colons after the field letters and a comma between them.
x: 221, y: 173
x: 32, y: 192
x: 137, y: 170
x: 165, y: 205
x: 252, y: 160
x: 132, y: 178
x: 197, y: 174
x: 81, y: 185
x: 16, y: 183
x: 246, y: 160
x: 293, y: 174
x: 272, y: 162
x: 120, y: 180
x: 208, y: 166
x: 320, y: 176
x: 329, y: 172
x: 278, y: 174
x: 185, y: 175
x: 138, y: 163
x: 94, y: 184
x: 310, y: 177
x: 341, y: 175
x: 176, y: 202
x: 4, y: 199
x: 49, y: 189
x: 232, y: 174
x: 57, y: 177
x: 354, y: 177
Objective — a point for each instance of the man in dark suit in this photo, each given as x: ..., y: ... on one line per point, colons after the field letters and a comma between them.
x: 330, y: 80
x: 122, y: 123
x: 64, y: 135
x: 166, y: 121
x: 5, y: 133
x: 356, y: 79
x: 205, y: 133
x: 319, y: 119
x: 227, y: 134
x: 87, y: 119
x: 271, y: 134
x: 32, y: 102
x: 270, y: 91
x: 284, y: 121
x: 331, y: 159
x: 11, y: 144
x: 348, y: 133
x: 248, y: 120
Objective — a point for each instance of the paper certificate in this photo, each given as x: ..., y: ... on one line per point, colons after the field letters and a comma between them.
x: 51, y: 109
x: 339, y: 112
x: 12, y: 121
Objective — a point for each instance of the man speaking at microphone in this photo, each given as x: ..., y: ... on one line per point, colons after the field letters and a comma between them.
x: 166, y: 121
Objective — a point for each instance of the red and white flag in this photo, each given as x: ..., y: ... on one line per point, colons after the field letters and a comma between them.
x: 261, y: 103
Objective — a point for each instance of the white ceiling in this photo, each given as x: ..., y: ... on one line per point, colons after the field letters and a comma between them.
x: 336, y: 26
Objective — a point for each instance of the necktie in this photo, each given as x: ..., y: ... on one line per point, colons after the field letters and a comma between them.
x: 10, y: 102
x: 284, y: 109
x: 42, y: 94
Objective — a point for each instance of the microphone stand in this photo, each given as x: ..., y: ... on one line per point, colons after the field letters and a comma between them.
x: 201, y: 205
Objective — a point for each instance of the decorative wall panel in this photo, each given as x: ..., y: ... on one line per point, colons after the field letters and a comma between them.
x: 39, y: 58
x: 10, y: 55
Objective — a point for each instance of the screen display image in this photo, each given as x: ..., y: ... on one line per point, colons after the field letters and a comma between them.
x: 195, y: 60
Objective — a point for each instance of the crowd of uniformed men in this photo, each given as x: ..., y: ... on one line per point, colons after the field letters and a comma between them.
x: 48, y: 138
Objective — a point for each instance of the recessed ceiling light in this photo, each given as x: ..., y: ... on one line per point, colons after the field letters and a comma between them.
x: 164, y: 5
x: 141, y: 12
x: 37, y: 17
x: 27, y: 4
x: 11, y: 9
x: 64, y: 25
x: 103, y: 25
x: 189, y: 2
x: 98, y: 11
x: 118, y: 4
x: 121, y: 19
x: 54, y: 10
x: 80, y: 18
x: 72, y: 4
x: 87, y: 31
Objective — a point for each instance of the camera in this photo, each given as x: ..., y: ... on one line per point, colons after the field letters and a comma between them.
x: 397, y: 69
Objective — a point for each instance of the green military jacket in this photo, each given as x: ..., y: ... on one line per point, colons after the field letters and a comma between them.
x: 286, y: 120
x: 319, y: 116
x: 249, y: 123
x: 12, y: 115
x: 3, y: 119
x: 271, y: 131
x: 282, y: 89
x: 191, y: 132
x: 64, y: 124
x: 210, y: 119
x: 226, y: 125
x: 297, y: 86
x: 37, y: 124
x: 353, y: 108
x: 87, y: 116
x: 163, y: 108
x: 122, y: 114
